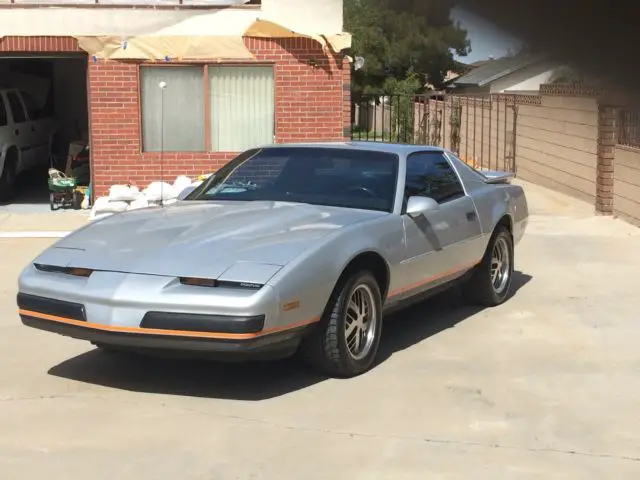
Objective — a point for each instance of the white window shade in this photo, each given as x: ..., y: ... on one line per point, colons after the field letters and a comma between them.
x: 175, y: 123
x: 242, y: 107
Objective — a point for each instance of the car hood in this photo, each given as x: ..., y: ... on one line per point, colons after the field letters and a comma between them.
x: 247, y: 240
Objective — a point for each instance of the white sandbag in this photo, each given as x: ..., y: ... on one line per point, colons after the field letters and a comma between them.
x: 99, y: 204
x: 123, y: 193
x: 114, y: 207
x: 138, y: 203
x: 181, y: 183
x: 159, y: 190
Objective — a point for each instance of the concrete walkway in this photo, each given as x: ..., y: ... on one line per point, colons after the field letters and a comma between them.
x: 546, y: 386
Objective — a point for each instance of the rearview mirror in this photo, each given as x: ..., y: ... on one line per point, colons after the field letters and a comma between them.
x: 417, y: 206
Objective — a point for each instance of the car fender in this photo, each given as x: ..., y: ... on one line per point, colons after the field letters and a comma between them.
x: 3, y: 157
x: 308, y: 281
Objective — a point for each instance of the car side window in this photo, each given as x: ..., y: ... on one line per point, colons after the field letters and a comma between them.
x: 430, y: 174
x: 32, y: 106
x: 16, y: 107
x: 3, y: 113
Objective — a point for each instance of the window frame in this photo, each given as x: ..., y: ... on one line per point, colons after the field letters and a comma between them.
x: 208, y: 144
x: 405, y: 199
x: 26, y: 97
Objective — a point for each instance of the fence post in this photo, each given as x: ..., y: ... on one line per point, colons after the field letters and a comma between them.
x: 606, y: 159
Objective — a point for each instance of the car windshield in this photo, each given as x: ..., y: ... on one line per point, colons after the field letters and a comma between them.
x: 339, y: 177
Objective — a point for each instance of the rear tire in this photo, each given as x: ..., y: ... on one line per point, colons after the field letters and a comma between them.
x: 346, y: 340
x: 490, y: 282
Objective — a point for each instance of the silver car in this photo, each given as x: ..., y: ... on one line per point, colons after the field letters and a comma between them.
x: 286, y: 248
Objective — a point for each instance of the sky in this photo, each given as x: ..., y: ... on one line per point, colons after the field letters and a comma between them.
x: 486, y: 38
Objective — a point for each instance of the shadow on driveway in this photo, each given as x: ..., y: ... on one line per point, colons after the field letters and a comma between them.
x: 256, y: 381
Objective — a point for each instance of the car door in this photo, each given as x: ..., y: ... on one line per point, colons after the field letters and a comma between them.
x: 21, y: 132
x: 36, y: 130
x: 439, y: 244
x: 6, y: 132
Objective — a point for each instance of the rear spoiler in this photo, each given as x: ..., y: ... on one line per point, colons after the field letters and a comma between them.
x: 496, y: 177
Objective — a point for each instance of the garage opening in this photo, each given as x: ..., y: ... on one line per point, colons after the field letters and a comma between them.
x: 44, y: 124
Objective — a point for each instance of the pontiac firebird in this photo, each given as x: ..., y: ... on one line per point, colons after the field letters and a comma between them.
x: 287, y: 248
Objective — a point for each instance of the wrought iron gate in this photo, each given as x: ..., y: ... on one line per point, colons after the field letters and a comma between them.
x: 480, y: 130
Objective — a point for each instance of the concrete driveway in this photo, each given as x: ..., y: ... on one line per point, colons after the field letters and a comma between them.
x: 545, y: 386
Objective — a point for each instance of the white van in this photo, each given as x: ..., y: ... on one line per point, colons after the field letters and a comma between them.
x: 26, y: 137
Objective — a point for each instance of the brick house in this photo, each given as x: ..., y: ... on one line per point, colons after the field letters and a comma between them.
x: 272, y: 71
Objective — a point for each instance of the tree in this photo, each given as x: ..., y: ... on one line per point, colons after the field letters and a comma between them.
x: 398, y: 36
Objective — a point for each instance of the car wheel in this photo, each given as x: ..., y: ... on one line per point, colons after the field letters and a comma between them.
x: 346, y: 340
x: 490, y: 281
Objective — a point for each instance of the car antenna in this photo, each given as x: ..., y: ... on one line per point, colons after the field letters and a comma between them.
x: 163, y: 86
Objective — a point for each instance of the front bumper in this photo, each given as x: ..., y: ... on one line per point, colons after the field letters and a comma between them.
x: 162, y: 330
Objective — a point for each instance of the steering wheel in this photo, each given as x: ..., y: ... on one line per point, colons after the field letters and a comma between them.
x: 360, y: 188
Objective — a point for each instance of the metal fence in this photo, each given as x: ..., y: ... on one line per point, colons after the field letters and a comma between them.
x: 629, y: 127
x: 480, y: 130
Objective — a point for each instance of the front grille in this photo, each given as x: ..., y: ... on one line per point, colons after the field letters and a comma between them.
x: 191, y: 322
x: 51, y: 306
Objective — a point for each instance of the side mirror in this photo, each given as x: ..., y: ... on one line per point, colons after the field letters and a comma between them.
x: 417, y: 206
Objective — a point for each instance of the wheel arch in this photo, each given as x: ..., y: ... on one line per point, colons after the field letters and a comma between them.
x: 505, y: 221
x: 375, y: 263
x: 9, y: 150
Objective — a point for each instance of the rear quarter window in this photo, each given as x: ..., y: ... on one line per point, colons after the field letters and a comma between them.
x: 17, y: 110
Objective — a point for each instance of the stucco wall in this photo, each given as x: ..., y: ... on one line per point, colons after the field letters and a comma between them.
x: 303, y: 16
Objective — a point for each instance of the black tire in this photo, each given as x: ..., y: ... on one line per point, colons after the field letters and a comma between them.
x: 326, y: 346
x: 480, y: 287
x: 52, y: 201
x: 8, y: 177
x: 77, y: 200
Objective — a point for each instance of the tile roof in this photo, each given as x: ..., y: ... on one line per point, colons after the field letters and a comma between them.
x: 491, y: 70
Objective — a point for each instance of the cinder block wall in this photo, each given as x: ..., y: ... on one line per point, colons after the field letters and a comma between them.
x: 626, y: 187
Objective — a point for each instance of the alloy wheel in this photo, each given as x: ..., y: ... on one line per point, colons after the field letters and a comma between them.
x: 360, y: 322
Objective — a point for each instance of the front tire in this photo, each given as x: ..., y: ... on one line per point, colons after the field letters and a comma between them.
x: 346, y: 340
x: 490, y: 282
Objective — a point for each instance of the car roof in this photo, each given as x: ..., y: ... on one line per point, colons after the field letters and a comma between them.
x: 398, y: 148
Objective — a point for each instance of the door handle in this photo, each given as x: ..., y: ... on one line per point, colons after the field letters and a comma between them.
x: 471, y: 216
x: 16, y: 131
x: 33, y: 129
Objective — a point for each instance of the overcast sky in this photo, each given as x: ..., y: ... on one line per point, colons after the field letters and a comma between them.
x: 486, y: 39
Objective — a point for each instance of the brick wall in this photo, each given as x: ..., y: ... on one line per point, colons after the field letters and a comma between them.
x: 311, y: 103
x: 39, y: 44
x: 606, y: 157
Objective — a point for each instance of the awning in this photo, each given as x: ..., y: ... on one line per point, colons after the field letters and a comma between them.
x: 172, y: 47
x: 188, y: 34
x: 190, y: 47
x: 267, y: 29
